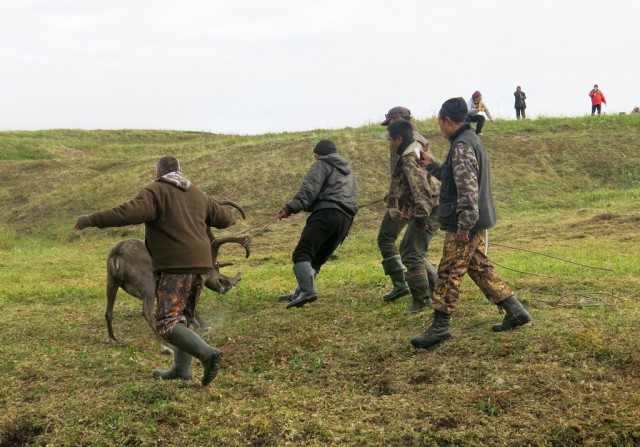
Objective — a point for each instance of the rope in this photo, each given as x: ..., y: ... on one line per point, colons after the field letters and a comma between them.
x: 553, y: 257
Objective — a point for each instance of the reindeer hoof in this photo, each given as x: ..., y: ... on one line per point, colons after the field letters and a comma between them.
x: 166, y: 351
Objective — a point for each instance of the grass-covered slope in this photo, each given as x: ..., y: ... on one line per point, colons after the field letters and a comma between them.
x: 340, y: 371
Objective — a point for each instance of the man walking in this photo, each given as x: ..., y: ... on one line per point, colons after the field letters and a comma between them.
x: 176, y: 215
x: 418, y: 198
x: 466, y: 210
x: 329, y: 192
x: 393, y: 221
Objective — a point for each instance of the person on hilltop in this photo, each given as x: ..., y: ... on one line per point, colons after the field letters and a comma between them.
x: 329, y: 192
x: 477, y: 110
x: 393, y: 221
x: 521, y: 103
x: 418, y: 198
x: 177, y: 216
x: 597, y: 99
x: 466, y: 211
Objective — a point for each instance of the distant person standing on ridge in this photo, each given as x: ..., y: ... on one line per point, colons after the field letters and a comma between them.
x: 466, y: 211
x: 520, y: 103
x: 477, y: 110
x: 329, y: 192
x: 393, y: 222
x: 597, y: 99
x: 418, y: 197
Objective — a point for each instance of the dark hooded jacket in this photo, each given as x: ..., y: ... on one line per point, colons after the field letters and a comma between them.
x: 176, y: 215
x: 330, y: 183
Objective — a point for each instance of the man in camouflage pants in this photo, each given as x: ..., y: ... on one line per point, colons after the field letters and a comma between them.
x: 417, y: 196
x: 466, y: 211
x: 176, y: 215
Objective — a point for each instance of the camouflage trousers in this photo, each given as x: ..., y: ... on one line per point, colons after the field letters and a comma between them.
x: 176, y: 297
x: 458, y: 259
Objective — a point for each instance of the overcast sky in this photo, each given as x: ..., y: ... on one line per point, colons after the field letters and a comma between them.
x: 252, y: 67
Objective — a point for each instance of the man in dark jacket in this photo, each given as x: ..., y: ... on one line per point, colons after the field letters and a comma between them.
x: 176, y: 215
x: 330, y: 193
x: 466, y: 211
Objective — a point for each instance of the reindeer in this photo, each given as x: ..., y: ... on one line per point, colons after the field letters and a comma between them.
x: 129, y: 267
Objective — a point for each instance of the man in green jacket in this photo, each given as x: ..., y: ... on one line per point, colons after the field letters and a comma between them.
x: 176, y: 215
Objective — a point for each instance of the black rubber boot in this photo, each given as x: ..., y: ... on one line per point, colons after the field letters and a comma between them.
x: 305, y: 274
x: 437, y: 333
x: 190, y: 342
x: 421, y: 294
x: 181, y: 368
x: 516, y: 315
x: 394, y: 268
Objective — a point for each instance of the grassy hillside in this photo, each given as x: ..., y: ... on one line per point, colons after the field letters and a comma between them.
x: 340, y: 371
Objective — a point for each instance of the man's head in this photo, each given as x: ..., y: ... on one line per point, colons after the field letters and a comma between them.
x: 518, y: 88
x: 324, y: 147
x: 396, y: 113
x: 398, y: 132
x: 166, y: 165
x: 452, y: 115
x: 477, y: 96
x: 595, y: 87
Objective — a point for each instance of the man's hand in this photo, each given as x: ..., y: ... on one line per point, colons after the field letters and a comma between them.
x: 283, y: 214
x: 462, y: 238
x: 425, y: 159
x: 395, y: 214
x: 82, y: 223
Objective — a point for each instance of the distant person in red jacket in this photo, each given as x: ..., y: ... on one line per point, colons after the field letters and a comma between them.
x: 597, y: 99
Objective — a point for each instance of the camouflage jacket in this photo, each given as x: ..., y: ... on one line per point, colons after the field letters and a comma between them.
x: 394, y: 188
x: 472, y: 206
x: 417, y: 189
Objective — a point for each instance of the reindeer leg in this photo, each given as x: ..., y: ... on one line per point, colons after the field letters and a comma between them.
x: 112, y: 290
x: 203, y: 325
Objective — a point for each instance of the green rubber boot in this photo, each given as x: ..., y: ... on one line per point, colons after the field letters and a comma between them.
x: 421, y: 294
x: 181, y: 368
x: 188, y: 341
x: 394, y: 268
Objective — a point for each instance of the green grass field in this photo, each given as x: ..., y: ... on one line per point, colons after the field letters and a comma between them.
x: 341, y: 371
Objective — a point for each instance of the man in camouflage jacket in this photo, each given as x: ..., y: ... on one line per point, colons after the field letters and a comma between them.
x: 466, y: 211
x: 417, y: 197
x: 393, y: 222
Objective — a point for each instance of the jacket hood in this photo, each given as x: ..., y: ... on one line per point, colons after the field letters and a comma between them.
x: 339, y: 162
x: 176, y: 179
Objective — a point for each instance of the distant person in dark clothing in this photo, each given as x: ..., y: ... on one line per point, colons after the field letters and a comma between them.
x: 597, y: 99
x: 521, y: 104
x: 329, y: 192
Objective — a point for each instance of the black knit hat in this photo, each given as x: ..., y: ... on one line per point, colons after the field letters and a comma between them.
x: 325, y: 147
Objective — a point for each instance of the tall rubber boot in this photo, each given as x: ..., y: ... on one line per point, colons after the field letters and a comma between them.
x: 191, y: 343
x: 421, y: 294
x: 437, y: 333
x: 290, y: 296
x: 394, y: 268
x: 432, y: 274
x: 516, y: 315
x: 181, y: 368
x: 305, y: 274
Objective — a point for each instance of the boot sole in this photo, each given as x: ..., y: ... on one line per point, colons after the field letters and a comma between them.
x: 396, y: 296
x: 499, y: 328
x: 211, y: 369
x: 299, y: 302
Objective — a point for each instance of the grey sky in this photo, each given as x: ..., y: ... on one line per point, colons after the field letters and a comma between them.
x: 251, y: 67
